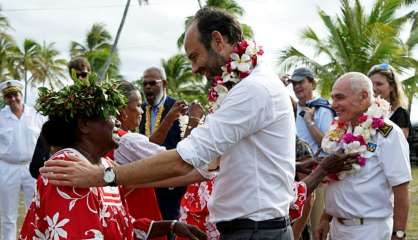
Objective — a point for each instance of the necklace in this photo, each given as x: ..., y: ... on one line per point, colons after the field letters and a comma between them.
x: 243, y: 60
x: 148, y: 119
x: 356, y: 140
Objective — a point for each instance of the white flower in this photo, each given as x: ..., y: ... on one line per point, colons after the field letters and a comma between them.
x: 329, y: 146
x: 222, y: 92
x: 104, y: 214
x: 183, y: 120
x: 229, y: 77
x: 354, y: 147
x: 251, y: 49
x: 40, y: 235
x: 243, y: 63
x: 55, y: 226
x: 379, y: 108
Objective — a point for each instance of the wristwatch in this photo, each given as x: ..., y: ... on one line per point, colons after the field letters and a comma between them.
x: 311, y: 123
x: 399, y: 234
x: 109, y: 177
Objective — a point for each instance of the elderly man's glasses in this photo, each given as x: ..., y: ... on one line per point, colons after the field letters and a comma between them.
x: 152, y: 83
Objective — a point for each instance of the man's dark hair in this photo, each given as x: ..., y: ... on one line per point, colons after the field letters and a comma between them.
x: 211, y: 19
x: 79, y: 63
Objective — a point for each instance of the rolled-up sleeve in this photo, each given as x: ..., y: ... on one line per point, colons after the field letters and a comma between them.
x: 244, y: 111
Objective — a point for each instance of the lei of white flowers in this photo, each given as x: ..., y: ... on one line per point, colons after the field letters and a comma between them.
x: 184, y: 122
x: 243, y: 59
x: 338, y: 138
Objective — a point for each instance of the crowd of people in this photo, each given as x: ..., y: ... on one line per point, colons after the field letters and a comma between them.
x: 96, y: 162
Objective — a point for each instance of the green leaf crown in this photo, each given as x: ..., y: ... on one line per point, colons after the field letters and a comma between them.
x: 86, y: 98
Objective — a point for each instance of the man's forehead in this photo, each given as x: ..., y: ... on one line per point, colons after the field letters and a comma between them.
x: 191, y: 37
x: 152, y: 73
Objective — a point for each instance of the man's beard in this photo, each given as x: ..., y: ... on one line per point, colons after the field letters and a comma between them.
x: 214, y: 63
x: 159, y: 96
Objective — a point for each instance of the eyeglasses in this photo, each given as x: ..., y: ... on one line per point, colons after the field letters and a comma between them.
x: 382, y: 68
x: 152, y: 83
x: 81, y: 74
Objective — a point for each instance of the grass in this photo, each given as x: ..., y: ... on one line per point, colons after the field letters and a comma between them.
x: 412, y: 230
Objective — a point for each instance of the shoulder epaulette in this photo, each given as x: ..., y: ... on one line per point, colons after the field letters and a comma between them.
x: 385, y: 129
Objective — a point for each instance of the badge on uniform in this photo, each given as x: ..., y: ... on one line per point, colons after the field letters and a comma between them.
x: 371, y: 147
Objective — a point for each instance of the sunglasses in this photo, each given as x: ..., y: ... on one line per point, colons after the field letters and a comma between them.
x: 382, y: 68
x: 82, y: 74
x: 152, y: 83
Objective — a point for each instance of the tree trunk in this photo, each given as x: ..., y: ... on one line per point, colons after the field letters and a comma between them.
x: 109, y: 58
x: 26, y: 85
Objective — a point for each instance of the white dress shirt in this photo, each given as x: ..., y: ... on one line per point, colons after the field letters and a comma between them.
x: 254, y: 132
x: 18, y: 136
x: 135, y: 146
x: 368, y: 193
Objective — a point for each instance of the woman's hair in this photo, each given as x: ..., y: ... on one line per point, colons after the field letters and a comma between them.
x: 397, y: 96
x: 58, y: 132
x: 127, y: 88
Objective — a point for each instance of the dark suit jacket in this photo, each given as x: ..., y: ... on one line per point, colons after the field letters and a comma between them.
x: 174, y: 135
x: 168, y: 199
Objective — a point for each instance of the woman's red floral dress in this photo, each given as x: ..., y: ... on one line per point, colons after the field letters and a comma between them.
x: 80, y: 213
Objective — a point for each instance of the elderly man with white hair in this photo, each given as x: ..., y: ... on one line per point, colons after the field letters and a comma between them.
x: 371, y: 201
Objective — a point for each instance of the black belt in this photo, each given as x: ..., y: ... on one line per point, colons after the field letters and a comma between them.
x: 248, y: 224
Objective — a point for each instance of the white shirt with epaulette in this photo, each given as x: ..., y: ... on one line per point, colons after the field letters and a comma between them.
x: 18, y: 136
x: 368, y: 193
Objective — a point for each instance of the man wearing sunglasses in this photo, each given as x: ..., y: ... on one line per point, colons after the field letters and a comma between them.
x: 19, y: 128
x: 79, y: 67
x: 162, y: 112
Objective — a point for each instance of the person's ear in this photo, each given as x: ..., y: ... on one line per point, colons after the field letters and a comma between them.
x: 218, y: 41
x: 123, y: 115
x: 165, y: 84
x: 83, y: 126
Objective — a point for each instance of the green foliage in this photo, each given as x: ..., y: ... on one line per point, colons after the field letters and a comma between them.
x: 85, y: 98
x: 354, y: 41
x: 96, y: 49
x: 182, y: 83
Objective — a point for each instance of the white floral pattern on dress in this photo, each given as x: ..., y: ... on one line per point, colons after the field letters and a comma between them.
x: 55, y: 226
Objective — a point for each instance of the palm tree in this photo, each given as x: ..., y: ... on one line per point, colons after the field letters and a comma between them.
x: 182, y: 83
x: 355, y: 41
x: 7, y: 48
x: 96, y: 49
x: 411, y: 84
x: 51, y: 69
x: 28, y: 61
x: 230, y: 6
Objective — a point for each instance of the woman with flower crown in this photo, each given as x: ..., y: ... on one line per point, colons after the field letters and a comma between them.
x: 86, y: 213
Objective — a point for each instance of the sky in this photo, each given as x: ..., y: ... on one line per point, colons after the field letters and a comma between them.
x: 151, y: 31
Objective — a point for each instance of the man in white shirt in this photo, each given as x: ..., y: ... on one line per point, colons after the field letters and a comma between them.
x: 372, y: 203
x: 313, y: 118
x: 19, y: 129
x: 253, y: 131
